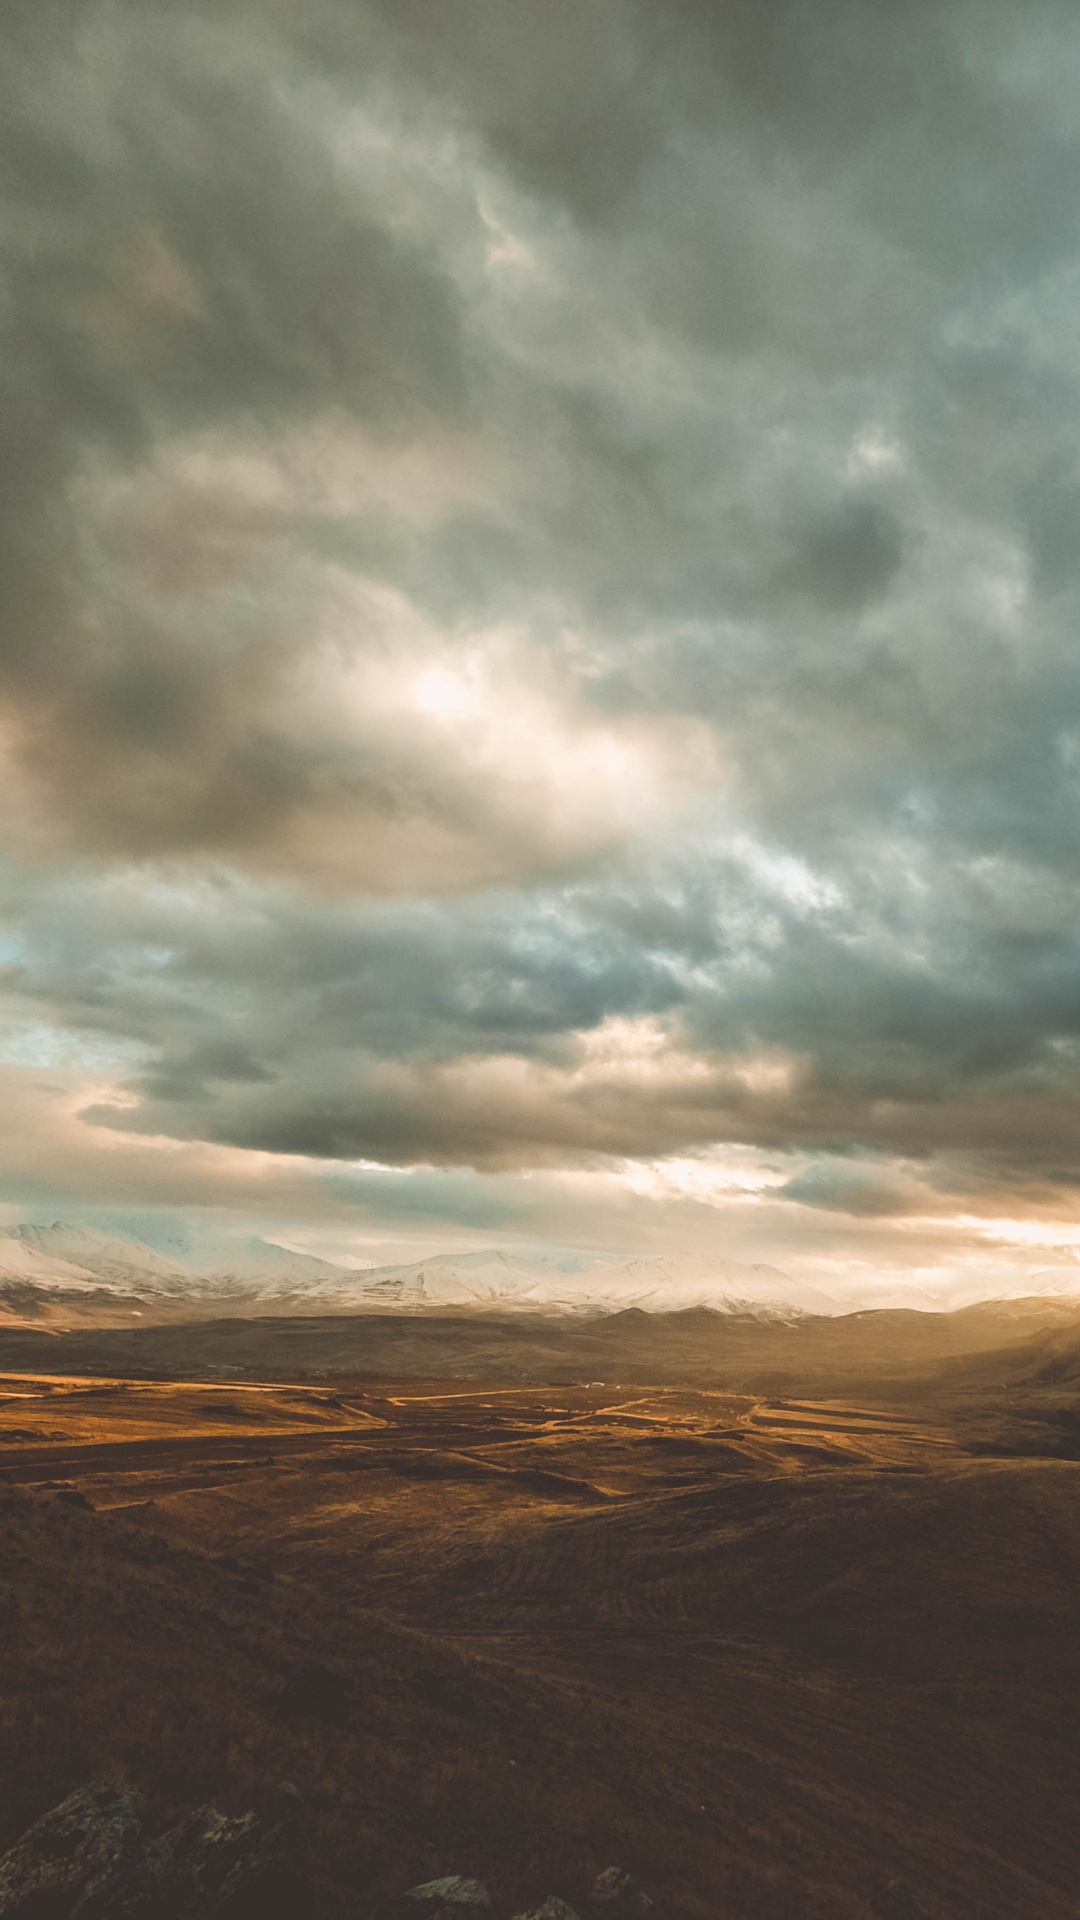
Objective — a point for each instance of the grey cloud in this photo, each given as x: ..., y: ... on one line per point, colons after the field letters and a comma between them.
x: 473, y: 1118
x: 217, y: 980
x: 461, y: 1035
x: 564, y: 95
x: 1052, y: 503
x: 220, y: 262
x: 402, y: 1199
x: 855, y: 1187
x: 692, y: 381
x: 184, y: 255
x: 850, y: 556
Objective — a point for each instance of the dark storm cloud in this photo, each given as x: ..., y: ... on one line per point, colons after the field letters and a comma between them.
x: 854, y: 1189
x: 507, y: 1032
x: 610, y: 467
x: 183, y: 256
x: 849, y: 557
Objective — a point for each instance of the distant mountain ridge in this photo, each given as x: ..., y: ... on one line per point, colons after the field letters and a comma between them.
x: 65, y: 1256
x: 64, y: 1271
x: 660, y: 1283
x: 55, y: 1264
x: 96, y: 1256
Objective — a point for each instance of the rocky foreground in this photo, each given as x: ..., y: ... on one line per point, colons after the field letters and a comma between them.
x: 90, y: 1859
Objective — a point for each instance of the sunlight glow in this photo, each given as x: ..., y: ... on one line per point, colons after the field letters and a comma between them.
x: 445, y: 695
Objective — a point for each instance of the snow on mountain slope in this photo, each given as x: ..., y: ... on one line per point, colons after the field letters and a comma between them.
x: 218, y: 1273
x: 670, y: 1283
x: 122, y: 1261
x: 200, y: 1248
x: 196, y: 1269
x: 664, y: 1284
x: 263, y: 1260
x: 26, y: 1266
x: 108, y: 1259
x: 1052, y: 1284
x: 467, y: 1279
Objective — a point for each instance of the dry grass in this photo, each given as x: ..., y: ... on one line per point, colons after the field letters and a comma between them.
x: 764, y: 1654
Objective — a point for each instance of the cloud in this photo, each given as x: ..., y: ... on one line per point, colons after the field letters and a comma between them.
x: 426, y: 1196
x: 537, y: 604
x: 755, y: 1001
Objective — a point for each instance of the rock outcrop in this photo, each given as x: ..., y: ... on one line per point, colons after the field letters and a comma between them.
x: 88, y: 1860
x: 210, y: 1867
x: 453, y: 1898
x: 619, y: 1891
x: 81, y: 1846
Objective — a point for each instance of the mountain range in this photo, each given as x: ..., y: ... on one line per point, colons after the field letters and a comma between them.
x: 64, y: 1268
x: 65, y: 1272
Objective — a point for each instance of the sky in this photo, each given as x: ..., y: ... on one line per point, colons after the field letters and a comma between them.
x: 539, y: 690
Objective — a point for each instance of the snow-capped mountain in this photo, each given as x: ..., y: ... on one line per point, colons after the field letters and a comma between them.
x: 21, y: 1262
x: 99, y: 1257
x: 664, y: 1283
x: 482, y: 1279
x: 202, y: 1271
x: 64, y: 1271
x: 64, y: 1259
x: 206, y: 1250
x: 672, y: 1282
x: 1060, y: 1283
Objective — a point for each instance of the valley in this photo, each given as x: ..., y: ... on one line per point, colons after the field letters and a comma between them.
x: 778, y: 1652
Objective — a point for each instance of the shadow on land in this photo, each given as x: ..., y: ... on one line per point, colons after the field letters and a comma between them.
x: 782, y: 1618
